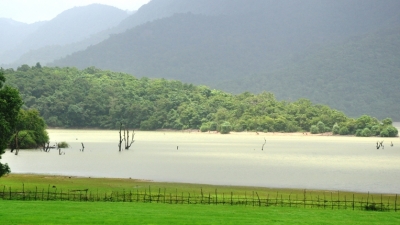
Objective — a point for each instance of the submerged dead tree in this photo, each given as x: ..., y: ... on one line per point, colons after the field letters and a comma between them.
x: 127, y: 142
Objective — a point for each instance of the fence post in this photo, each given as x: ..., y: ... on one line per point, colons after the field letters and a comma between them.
x: 23, y: 191
x: 338, y: 200
x: 159, y: 193
x: 381, y: 203
x: 216, y: 197
x: 35, y: 193
x: 202, y: 196
x: 259, y: 201
x: 231, y: 198
x: 10, y: 193
x: 290, y: 201
x: 324, y: 201
x: 331, y: 200
x: 368, y: 199
x: 353, y: 202
x: 395, y: 204
x: 305, y: 198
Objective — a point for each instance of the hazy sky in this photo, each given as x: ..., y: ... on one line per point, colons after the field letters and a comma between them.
x: 30, y: 11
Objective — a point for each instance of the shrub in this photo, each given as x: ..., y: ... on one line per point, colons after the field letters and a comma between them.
x: 63, y: 144
x: 375, y: 130
x: 344, y: 131
x: 393, y: 132
x: 384, y: 133
x: 225, y: 128
x: 213, y: 126
x: 358, y: 132
x: 321, y: 127
x: 366, y: 132
x: 335, y: 129
x: 204, y: 128
x: 314, y: 129
x: 238, y: 128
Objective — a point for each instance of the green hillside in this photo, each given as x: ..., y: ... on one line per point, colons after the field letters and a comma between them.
x: 344, y: 53
x: 92, y: 98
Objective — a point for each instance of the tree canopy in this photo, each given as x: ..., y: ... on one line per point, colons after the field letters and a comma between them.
x: 93, y: 98
x: 10, y: 103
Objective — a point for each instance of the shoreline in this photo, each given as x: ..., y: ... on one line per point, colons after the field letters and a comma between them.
x: 147, y: 183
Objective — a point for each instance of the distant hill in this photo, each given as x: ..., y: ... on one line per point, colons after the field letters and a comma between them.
x: 14, y: 32
x: 314, y: 49
x: 73, y: 25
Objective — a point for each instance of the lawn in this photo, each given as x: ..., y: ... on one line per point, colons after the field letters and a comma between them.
x: 56, y: 212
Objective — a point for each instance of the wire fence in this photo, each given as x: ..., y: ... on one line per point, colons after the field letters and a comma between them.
x: 254, y: 199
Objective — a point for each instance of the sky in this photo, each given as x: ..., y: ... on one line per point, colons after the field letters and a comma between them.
x: 30, y: 11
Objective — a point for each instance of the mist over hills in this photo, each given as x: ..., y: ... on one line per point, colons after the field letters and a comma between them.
x: 341, y: 53
x: 73, y: 25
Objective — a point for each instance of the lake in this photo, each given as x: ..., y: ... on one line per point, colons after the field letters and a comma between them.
x: 286, y: 161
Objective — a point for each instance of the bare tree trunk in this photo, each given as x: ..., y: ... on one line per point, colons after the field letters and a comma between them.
x: 120, y: 137
x: 127, y: 146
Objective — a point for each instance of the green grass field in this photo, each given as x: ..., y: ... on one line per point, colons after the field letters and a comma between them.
x: 38, y: 212
x: 74, y: 212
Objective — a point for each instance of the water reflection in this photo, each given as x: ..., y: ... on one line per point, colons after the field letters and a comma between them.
x: 334, y: 163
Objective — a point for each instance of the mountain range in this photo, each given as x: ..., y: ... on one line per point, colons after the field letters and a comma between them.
x: 343, y: 53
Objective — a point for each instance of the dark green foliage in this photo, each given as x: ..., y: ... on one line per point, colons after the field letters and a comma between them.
x: 335, y: 129
x: 344, y: 131
x: 314, y: 129
x: 225, y: 128
x: 63, y: 144
x: 366, y: 132
x: 10, y: 103
x: 92, y: 98
x: 321, y: 126
x: 391, y: 131
x: 204, y: 128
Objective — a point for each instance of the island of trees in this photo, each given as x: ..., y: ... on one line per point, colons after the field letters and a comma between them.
x: 93, y: 98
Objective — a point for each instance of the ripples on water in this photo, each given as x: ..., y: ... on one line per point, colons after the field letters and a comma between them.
x: 311, y: 162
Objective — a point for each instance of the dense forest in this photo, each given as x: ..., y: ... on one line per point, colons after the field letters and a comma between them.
x: 93, y: 98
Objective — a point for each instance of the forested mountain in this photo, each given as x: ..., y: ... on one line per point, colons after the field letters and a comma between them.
x: 13, y: 32
x: 313, y: 49
x: 67, y: 97
x: 73, y: 25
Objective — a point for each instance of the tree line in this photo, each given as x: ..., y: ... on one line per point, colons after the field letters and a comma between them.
x: 19, y: 128
x: 93, y: 98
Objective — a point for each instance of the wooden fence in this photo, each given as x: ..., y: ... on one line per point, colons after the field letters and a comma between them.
x: 254, y: 199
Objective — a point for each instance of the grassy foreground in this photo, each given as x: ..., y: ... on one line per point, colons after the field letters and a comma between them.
x: 73, y: 212
x: 37, y: 212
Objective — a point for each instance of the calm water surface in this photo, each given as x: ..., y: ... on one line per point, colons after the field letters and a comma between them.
x: 310, y: 162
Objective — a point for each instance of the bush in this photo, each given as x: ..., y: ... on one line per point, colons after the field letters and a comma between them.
x: 238, y: 128
x: 314, y: 129
x: 321, y: 127
x: 344, y: 131
x: 375, y: 130
x: 384, y: 133
x: 213, y: 126
x: 63, y: 144
x: 358, y: 132
x: 225, y: 128
x: 393, y: 132
x: 25, y: 140
x: 335, y: 129
x: 204, y: 128
x: 366, y: 132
